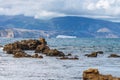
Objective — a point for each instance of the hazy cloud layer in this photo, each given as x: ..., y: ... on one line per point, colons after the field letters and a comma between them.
x: 108, y: 9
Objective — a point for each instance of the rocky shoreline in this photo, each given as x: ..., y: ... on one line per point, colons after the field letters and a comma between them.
x: 40, y: 47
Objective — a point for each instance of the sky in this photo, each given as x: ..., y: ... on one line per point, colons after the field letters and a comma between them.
x: 45, y: 9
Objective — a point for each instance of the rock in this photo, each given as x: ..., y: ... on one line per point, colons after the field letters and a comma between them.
x: 37, y: 56
x: 68, y: 58
x: 93, y: 74
x: 42, y: 40
x: 42, y: 49
x: 100, y: 52
x: 17, y: 50
x: 19, y: 55
x: 94, y: 54
x: 1, y: 46
x: 23, y: 45
x: 40, y: 46
x: 69, y: 54
x: 55, y: 52
x: 114, y: 56
x: 46, y: 50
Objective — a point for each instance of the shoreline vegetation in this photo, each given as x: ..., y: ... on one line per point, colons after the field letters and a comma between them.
x: 40, y: 48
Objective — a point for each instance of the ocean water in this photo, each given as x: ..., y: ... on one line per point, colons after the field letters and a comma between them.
x: 50, y: 68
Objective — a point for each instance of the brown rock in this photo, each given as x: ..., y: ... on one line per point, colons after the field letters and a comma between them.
x: 23, y: 45
x: 37, y: 56
x: 42, y: 49
x: 93, y: 74
x: 42, y: 40
x: 94, y: 54
x: 19, y: 55
x: 114, y: 56
x: 55, y: 52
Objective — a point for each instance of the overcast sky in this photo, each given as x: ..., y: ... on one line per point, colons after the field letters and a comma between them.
x: 44, y: 9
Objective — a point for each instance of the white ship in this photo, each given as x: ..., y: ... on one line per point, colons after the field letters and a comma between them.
x: 65, y: 36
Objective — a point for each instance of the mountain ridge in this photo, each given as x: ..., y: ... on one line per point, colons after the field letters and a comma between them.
x: 68, y: 25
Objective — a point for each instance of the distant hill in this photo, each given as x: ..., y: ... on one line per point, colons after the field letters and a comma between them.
x: 69, y: 25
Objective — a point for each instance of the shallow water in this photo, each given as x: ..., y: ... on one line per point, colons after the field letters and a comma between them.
x: 50, y: 68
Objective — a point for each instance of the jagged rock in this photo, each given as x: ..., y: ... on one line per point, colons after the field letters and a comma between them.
x: 55, y: 52
x: 93, y: 74
x: 114, y: 56
x: 40, y: 46
x: 24, y: 45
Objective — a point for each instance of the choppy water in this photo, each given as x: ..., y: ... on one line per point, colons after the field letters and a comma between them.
x: 50, y: 68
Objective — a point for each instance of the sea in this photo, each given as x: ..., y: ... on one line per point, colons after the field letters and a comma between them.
x: 51, y: 68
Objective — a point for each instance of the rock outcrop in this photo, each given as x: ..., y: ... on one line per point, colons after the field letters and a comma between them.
x: 40, y: 46
x: 93, y: 74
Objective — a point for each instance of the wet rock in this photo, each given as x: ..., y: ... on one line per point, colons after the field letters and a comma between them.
x: 114, y: 56
x: 55, y: 52
x: 93, y: 74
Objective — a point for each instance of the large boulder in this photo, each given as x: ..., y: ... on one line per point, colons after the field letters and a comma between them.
x: 93, y: 74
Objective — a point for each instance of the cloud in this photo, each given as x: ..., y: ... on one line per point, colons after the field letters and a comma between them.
x: 53, y: 8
